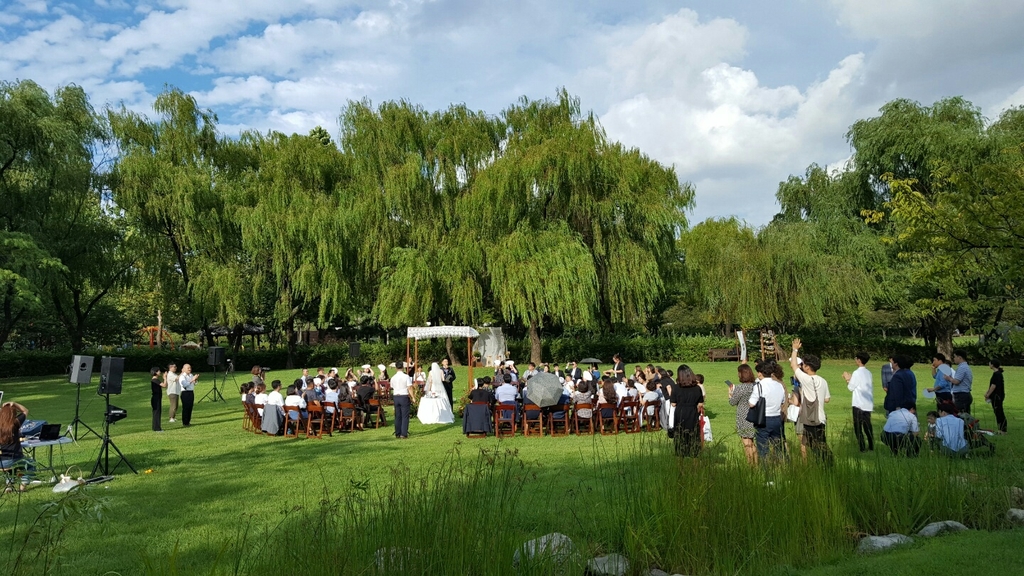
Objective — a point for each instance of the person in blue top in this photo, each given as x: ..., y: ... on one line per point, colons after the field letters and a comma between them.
x: 961, y: 381
x: 940, y: 369
x: 949, y: 429
x: 902, y: 388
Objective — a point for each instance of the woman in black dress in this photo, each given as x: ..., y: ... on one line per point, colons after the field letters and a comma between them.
x: 156, y: 388
x: 688, y: 401
x: 996, y: 394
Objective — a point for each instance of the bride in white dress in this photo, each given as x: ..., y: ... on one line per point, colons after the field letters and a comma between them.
x: 434, y: 407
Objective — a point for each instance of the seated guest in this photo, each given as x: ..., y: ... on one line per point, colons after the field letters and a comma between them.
x: 932, y: 417
x: 582, y: 396
x: 331, y: 395
x: 363, y: 394
x: 310, y: 396
x: 294, y: 400
x: 620, y: 388
x: 901, y: 430
x: 607, y: 395
x: 531, y: 371
x: 650, y: 395
x: 275, y: 397
x: 12, y: 416
x: 260, y: 396
x: 506, y: 393
x: 481, y: 393
x: 949, y: 430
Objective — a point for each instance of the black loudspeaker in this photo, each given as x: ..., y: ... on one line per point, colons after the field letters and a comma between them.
x: 111, y: 372
x: 81, y: 369
x: 354, y: 349
x: 215, y: 355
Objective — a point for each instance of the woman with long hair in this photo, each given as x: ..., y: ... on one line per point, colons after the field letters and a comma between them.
x: 739, y: 396
x: 688, y: 403
x: 771, y: 438
x: 12, y: 416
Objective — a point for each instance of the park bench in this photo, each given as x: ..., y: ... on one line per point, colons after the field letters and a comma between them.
x: 724, y: 354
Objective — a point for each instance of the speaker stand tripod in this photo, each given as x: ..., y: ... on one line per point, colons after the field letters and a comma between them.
x: 214, y: 394
x: 72, y: 430
x: 104, y: 457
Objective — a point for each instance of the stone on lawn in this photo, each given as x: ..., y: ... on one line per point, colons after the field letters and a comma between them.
x: 878, y: 543
x: 1015, y: 515
x: 655, y: 572
x: 610, y: 565
x: 555, y: 546
x: 936, y: 528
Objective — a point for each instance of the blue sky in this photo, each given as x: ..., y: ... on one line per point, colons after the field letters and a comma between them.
x: 736, y: 94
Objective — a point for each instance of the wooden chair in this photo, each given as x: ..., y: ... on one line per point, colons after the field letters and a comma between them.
x: 257, y: 420
x: 578, y: 420
x: 384, y: 389
x: 505, y: 420
x: 314, y: 417
x: 607, y: 413
x: 652, y: 415
x: 377, y: 416
x: 629, y: 415
x: 482, y: 407
x: 347, y: 422
x: 246, y: 416
x: 291, y: 422
x: 330, y: 416
x: 563, y: 420
x: 535, y: 424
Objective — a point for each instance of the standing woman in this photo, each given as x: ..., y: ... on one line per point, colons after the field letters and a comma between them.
x: 739, y: 396
x: 689, y: 406
x: 156, y: 386
x: 257, y: 375
x: 173, y: 388
x: 996, y: 394
x: 187, y: 380
x: 771, y: 438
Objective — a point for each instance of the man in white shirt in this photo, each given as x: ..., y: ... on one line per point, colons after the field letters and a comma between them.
x: 813, y: 397
x: 860, y: 383
x: 506, y: 393
x: 901, y: 430
x: 400, y: 384
x: 275, y: 397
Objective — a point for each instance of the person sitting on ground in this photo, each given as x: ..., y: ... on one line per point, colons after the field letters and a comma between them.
x: 949, y: 430
x: 582, y: 396
x: 929, y: 435
x: 293, y: 400
x: 12, y: 416
x: 901, y: 430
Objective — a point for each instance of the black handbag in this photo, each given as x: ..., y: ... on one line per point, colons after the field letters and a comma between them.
x: 756, y: 415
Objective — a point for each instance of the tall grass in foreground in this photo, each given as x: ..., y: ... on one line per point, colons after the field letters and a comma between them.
x: 713, y: 515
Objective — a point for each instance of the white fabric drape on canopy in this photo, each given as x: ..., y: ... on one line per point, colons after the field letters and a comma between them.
x: 424, y: 332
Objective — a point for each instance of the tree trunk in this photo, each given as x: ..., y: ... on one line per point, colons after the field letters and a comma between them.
x: 236, y: 338
x: 453, y: 358
x: 535, y: 349
x: 289, y: 327
x: 944, y: 340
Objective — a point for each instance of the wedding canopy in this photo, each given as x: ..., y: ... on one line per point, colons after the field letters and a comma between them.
x: 417, y: 333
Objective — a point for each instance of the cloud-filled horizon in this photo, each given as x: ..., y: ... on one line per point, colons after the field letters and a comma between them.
x: 735, y: 94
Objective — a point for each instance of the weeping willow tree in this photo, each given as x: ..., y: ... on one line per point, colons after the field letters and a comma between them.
x: 166, y: 182
x: 783, y: 275
x: 419, y: 258
x: 558, y: 177
x: 286, y: 203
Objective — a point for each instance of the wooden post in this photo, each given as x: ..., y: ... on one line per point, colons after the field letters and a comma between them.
x: 407, y: 357
x: 416, y: 358
x: 469, y: 358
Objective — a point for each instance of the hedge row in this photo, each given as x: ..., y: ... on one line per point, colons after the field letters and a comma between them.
x: 632, y: 348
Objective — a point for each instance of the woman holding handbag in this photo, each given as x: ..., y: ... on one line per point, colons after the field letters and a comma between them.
x: 765, y: 404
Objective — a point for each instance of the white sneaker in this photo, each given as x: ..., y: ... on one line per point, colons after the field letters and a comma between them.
x: 172, y: 420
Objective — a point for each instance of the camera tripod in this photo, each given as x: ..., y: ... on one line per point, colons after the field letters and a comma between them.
x: 104, y: 456
x: 72, y: 429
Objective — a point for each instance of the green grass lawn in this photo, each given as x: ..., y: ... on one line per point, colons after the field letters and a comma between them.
x: 197, y: 486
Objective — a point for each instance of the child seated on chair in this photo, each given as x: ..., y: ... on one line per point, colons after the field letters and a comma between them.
x: 294, y: 400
